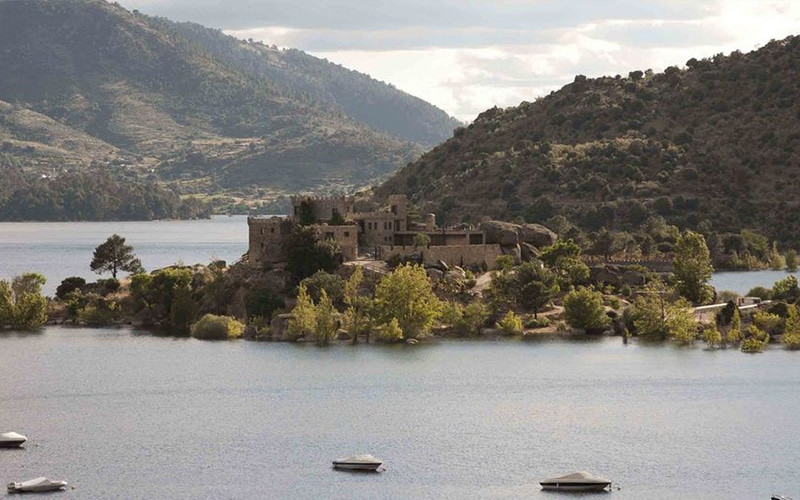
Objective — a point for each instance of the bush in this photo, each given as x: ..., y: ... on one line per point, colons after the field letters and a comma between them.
x: 727, y: 295
x: 760, y: 292
x: 213, y: 327
x: 69, y: 285
x: 583, y: 308
x: 510, y: 323
x: 390, y: 332
x: 101, y: 312
x: 534, y: 322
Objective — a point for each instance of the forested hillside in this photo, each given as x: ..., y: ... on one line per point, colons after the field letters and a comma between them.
x: 714, y: 145
x: 378, y: 105
x: 85, y: 82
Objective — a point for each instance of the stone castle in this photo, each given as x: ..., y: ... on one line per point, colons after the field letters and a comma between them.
x: 381, y: 234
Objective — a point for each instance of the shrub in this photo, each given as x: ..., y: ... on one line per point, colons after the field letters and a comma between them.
x: 534, y: 322
x: 213, y: 327
x: 390, y: 332
x: 727, y: 295
x: 760, y: 292
x: 510, y: 323
x: 583, y: 308
x: 712, y: 336
x: 69, y: 285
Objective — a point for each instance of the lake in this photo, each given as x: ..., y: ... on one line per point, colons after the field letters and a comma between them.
x: 121, y: 414
x: 62, y: 249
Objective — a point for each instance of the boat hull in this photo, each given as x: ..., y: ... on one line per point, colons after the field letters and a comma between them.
x: 356, y: 466
x: 575, y: 486
x: 36, y: 488
x: 12, y: 443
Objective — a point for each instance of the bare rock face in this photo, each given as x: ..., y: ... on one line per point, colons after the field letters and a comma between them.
x: 528, y: 252
x: 537, y: 235
x: 513, y: 250
x: 279, y: 326
x: 502, y: 233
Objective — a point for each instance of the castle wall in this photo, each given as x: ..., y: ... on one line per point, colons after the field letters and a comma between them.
x: 377, y: 228
x: 345, y: 236
x: 266, y: 238
x: 324, y: 207
x: 452, y: 255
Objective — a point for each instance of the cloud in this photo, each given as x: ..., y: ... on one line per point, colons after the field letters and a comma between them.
x: 468, y: 55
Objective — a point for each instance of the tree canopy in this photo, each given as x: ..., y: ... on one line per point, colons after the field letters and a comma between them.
x: 692, y: 267
x: 113, y: 256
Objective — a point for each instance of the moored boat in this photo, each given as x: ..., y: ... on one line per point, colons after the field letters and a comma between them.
x: 364, y: 462
x: 38, y: 485
x: 577, y: 481
x: 12, y: 440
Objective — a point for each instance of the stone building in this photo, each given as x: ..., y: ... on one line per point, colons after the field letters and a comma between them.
x: 384, y: 233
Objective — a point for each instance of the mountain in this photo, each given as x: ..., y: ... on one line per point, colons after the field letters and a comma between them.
x: 88, y: 82
x: 713, y: 146
x: 378, y: 105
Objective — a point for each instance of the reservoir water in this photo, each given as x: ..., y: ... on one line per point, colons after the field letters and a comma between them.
x: 124, y: 414
x: 62, y: 249
x: 121, y: 414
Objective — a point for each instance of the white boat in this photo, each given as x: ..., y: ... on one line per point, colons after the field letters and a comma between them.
x: 38, y: 485
x: 12, y: 440
x: 578, y: 481
x: 358, y: 462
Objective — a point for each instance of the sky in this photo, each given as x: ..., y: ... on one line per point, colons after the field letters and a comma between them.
x: 466, y: 56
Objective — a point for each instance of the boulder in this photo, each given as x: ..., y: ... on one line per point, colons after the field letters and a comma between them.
x: 502, y: 233
x: 434, y: 274
x: 279, y: 327
x: 513, y: 250
x: 537, y: 235
x: 528, y: 252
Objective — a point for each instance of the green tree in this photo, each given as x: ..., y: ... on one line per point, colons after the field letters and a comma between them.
x: 692, y: 267
x: 564, y: 258
x: 421, y: 240
x: 510, y: 323
x: 305, y: 213
x: 390, y: 332
x: 22, y: 306
x: 69, y: 285
x: 536, y: 286
x: 791, y: 261
x: 307, y: 254
x: 407, y: 294
x: 791, y: 332
x: 583, y: 308
x: 304, y: 317
x: 326, y: 320
x: 786, y: 289
x: 681, y: 323
x: 114, y: 256
x: 755, y: 339
x: 213, y: 327
x: 356, y: 318
x: 332, y: 284
x: 735, y: 331
x: 183, y: 310
x: 711, y: 335
x: 607, y: 243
